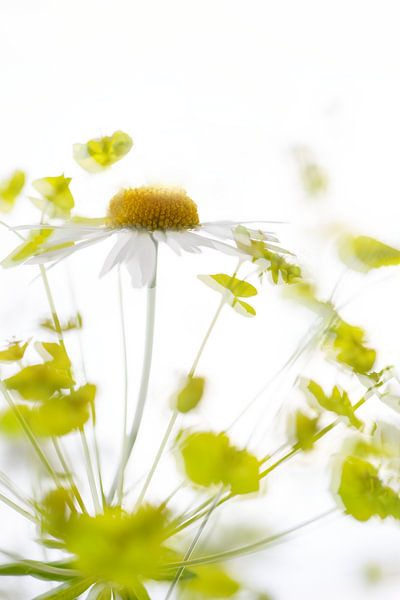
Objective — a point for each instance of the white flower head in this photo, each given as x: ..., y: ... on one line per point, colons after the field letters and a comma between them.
x: 140, y: 219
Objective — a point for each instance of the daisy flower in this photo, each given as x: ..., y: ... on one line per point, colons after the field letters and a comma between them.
x: 139, y: 219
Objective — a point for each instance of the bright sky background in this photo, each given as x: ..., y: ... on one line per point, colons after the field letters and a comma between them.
x: 216, y: 94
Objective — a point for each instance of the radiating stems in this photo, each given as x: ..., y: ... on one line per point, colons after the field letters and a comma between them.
x: 17, y: 508
x: 63, y: 461
x: 192, y: 546
x: 250, y: 548
x: 158, y: 456
x: 90, y: 472
x: 144, y: 382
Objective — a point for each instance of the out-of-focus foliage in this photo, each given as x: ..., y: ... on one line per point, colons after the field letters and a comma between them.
x: 363, y: 493
x: 338, y: 402
x: 10, y: 189
x: 348, y: 342
x: 75, y: 322
x: 233, y: 289
x: 14, y: 352
x: 56, y: 198
x: 100, y: 153
x: 314, y: 178
x: 190, y: 394
x: 210, y: 459
x: 210, y: 581
x: 305, y: 429
x: 28, y: 248
x: 364, y: 253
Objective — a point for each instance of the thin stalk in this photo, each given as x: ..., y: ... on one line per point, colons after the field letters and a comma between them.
x: 50, y: 299
x: 144, y: 382
x: 68, y: 473
x: 158, y: 456
x: 126, y: 384
x: 250, y: 548
x: 30, y: 435
x: 14, y: 490
x: 90, y: 472
x: 192, y: 547
x: 17, y: 508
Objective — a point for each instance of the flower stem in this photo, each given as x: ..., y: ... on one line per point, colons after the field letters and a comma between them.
x: 90, y: 472
x: 144, y: 382
x: 126, y: 383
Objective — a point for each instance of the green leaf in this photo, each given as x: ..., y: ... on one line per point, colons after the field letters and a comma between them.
x: 9, y: 423
x: 56, y: 200
x: 39, y: 382
x: 338, y: 402
x: 100, y: 153
x: 10, y: 190
x: 364, y: 253
x: 210, y: 459
x: 52, y: 571
x: 55, y: 354
x: 75, y: 322
x: 14, y: 352
x: 233, y: 289
x: 350, y: 348
x: 211, y: 581
x: 314, y: 178
x: 190, y: 394
x: 363, y: 493
x: 67, y: 591
x: 28, y: 248
x: 305, y: 427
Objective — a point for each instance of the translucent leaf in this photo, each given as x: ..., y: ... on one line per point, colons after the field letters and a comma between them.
x: 55, y: 354
x: 56, y: 200
x: 100, y: 153
x: 14, y: 352
x: 222, y: 282
x: 350, y: 348
x: 314, y: 178
x: 243, y: 308
x: 9, y: 423
x: 210, y: 459
x: 28, y: 248
x: 55, y: 510
x: 233, y: 289
x: 75, y: 322
x: 364, y: 253
x: 39, y: 382
x: 363, y: 493
x: 190, y: 394
x: 211, y: 581
x: 305, y: 427
x: 338, y: 402
x: 10, y: 190
x: 118, y: 547
x: 60, y: 416
x: 67, y: 591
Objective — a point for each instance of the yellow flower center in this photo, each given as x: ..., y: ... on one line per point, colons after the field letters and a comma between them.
x: 153, y: 208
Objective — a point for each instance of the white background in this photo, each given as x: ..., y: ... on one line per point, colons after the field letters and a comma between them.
x: 216, y: 94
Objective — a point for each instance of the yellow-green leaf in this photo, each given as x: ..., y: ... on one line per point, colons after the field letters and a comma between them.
x: 337, y: 402
x: 211, y: 581
x: 190, y: 394
x: 210, y: 459
x: 28, y: 248
x: 350, y: 348
x: 100, y: 153
x: 305, y: 428
x: 14, y: 352
x: 10, y: 190
x: 57, y: 199
x: 243, y: 308
x: 9, y: 422
x: 75, y: 322
x: 233, y: 289
x: 364, y: 253
x: 363, y: 493
x: 39, y: 382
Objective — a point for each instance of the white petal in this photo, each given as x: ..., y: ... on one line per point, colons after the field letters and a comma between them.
x: 141, y: 262
x: 193, y: 242
x: 62, y: 253
x: 119, y: 251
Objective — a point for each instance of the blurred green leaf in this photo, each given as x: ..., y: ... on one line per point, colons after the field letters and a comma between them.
x: 56, y: 200
x: 350, y: 348
x: 364, y: 253
x: 14, y: 352
x: 305, y: 427
x: 9, y: 423
x: 100, y: 153
x: 337, y: 402
x: 10, y: 190
x: 363, y: 493
x: 210, y: 459
x: 39, y: 382
x: 190, y: 394
x: 233, y: 289
x: 75, y: 322
x: 28, y: 248
x: 211, y: 581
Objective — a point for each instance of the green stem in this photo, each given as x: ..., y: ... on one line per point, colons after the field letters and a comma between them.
x: 144, y: 382
x: 192, y: 546
x: 17, y: 508
x: 68, y: 473
x: 249, y: 548
x: 90, y: 472
x: 126, y: 383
